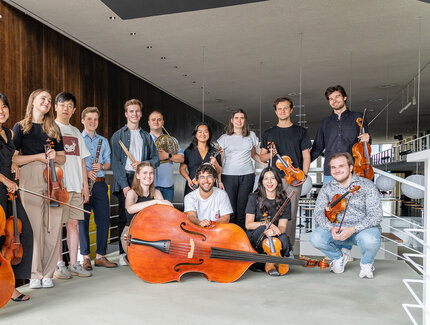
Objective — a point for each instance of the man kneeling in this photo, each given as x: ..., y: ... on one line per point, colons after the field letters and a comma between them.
x: 361, y: 225
x: 207, y: 203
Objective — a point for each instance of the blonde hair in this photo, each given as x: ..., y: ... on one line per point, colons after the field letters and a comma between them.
x: 89, y: 110
x: 136, y: 183
x: 133, y: 102
x: 48, y: 126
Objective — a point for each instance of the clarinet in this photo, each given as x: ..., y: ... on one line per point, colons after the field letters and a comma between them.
x: 96, y: 160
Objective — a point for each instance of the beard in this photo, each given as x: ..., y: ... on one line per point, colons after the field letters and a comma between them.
x: 208, y: 190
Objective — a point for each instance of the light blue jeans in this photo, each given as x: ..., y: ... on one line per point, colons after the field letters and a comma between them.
x: 368, y: 240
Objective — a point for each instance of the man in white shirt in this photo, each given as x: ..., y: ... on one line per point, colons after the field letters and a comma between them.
x: 75, y: 181
x: 207, y: 203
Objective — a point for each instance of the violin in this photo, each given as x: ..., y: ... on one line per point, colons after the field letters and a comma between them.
x: 293, y: 175
x: 54, y: 178
x: 338, y: 204
x: 361, y: 152
x: 322, y: 264
x: 194, y: 180
x: 12, y: 249
x: 163, y: 245
x: 272, y: 246
x: 7, y: 277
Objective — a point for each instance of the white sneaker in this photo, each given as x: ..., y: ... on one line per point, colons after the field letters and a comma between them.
x: 47, y: 283
x: 338, y: 266
x: 77, y: 269
x: 347, y: 252
x: 35, y: 284
x: 366, y: 271
x: 122, y: 260
x: 61, y: 271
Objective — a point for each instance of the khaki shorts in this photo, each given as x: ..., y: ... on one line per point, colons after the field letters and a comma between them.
x: 75, y: 199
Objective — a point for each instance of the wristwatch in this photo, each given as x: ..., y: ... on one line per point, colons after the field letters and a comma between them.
x: 170, y: 156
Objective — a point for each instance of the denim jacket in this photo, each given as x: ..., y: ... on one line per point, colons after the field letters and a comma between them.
x: 119, y: 158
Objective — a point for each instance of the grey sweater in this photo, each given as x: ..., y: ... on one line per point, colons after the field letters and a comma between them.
x: 364, y: 208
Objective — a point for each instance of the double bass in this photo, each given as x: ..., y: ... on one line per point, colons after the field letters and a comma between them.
x: 7, y: 277
x: 361, y: 152
x: 163, y: 245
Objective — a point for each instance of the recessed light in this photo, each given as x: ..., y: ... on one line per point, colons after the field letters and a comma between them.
x: 132, y: 33
x: 149, y: 46
x: 163, y: 58
x: 376, y: 100
x: 193, y: 82
x: 385, y: 86
x: 294, y: 94
x: 176, y: 67
x: 112, y: 17
x: 184, y: 75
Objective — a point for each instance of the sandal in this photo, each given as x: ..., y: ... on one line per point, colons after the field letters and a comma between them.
x: 20, y: 298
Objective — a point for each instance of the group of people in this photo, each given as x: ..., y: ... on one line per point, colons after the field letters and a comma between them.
x: 218, y: 188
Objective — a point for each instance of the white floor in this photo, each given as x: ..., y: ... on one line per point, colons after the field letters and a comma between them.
x: 303, y: 296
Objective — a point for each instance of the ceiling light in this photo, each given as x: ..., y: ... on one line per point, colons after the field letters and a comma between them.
x: 176, y: 67
x: 303, y: 114
x: 193, y: 82
x: 267, y: 121
x: 184, y: 75
x: 112, y: 17
x: 405, y: 107
x: 385, y: 86
x: 163, y: 58
x: 294, y: 94
x: 376, y: 100
x: 149, y: 47
x: 132, y: 33
x: 218, y: 100
x: 298, y: 106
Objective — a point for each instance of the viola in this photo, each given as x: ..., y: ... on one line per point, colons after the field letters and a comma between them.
x: 361, y: 152
x: 7, y: 277
x: 338, y: 204
x: 293, y: 175
x: 272, y: 246
x: 163, y: 245
x: 54, y: 178
x: 12, y: 249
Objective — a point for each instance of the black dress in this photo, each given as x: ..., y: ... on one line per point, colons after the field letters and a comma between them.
x: 7, y: 149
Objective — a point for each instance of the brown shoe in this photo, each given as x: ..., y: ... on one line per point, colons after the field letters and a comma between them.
x: 87, y: 264
x: 103, y: 261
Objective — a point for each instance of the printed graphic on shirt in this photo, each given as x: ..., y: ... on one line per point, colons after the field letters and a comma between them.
x: 71, y: 145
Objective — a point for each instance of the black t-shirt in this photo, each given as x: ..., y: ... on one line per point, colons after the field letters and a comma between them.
x: 253, y: 208
x: 34, y: 141
x: 290, y: 141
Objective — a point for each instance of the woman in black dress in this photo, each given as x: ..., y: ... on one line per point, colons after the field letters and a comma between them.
x: 200, y: 150
x: 7, y: 184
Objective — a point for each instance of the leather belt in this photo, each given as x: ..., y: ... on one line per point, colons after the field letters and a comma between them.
x: 100, y: 179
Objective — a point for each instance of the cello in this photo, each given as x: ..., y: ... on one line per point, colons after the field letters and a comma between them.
x: 7, y: 277
x: 12, y: 249
x: 361, y: 152
x: 163, y: 245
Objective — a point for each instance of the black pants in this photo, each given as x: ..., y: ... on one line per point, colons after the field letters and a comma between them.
x: 238, y: 189
x: 122, y: 218
x: 255, y: 234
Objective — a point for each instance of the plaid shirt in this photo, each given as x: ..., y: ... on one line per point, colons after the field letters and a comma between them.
x: 364, y: 209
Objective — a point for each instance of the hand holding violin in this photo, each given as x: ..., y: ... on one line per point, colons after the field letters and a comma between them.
x: 365, y: 137
x: 272, y: 231
x: 344, y: 234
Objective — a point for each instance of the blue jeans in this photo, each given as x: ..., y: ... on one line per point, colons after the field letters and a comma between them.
x: 167, y: 192
x: 99, y: 203
x: 368, y: 240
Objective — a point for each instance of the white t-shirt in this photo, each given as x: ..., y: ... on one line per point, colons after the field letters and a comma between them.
x: 237, y: 153
x: 211, y: 208
x: 76, y: 150
x: 136, y: 145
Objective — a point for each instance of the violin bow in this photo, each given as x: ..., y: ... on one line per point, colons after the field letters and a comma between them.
x: 343, y: 218
x: 278, y: 213
x: 271, y: 154
x: 48, y: 230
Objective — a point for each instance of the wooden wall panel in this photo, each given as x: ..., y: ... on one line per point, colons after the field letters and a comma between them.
x: 34, y: 56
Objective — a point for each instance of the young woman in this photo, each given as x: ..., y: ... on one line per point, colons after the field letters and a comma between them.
x: 30, y: 135
x: 198, y: 152
x: 238, y: 172
x: 142, y: 194
x: 267, y: 199
x: 7, y: 185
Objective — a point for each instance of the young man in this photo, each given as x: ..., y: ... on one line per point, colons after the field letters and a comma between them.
x: 207, y: 203
x: 99, y: 200
x: 363, y: 216
x: 141, y: 148
x: 164, y: 181
x: 288, y: 139
x: 75, y: 181
x: 339, y: 131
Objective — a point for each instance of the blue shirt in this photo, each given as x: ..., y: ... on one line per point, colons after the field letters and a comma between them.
x: 92, y: 148
x: 164, y: 173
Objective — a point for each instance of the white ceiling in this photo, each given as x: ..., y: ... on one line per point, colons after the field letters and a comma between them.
x: 252, y: 51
